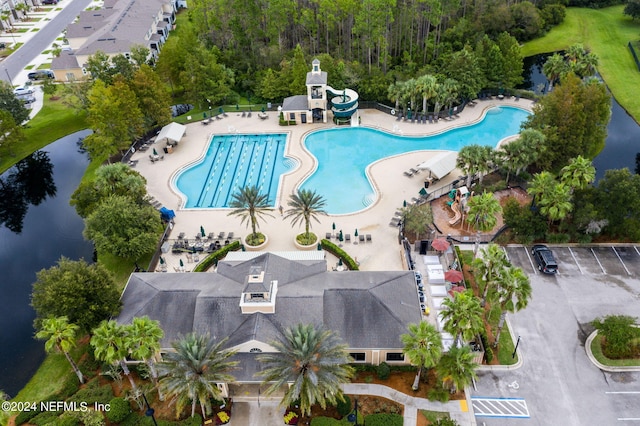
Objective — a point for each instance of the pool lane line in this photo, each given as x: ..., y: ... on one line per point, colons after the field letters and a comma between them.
x: 576, y: 261
x: 241, y: 154
x: 620, y: 259
x: 205, y: 187
x: 273, y: 168
x: 231, y: 151
x: 248, y: 176
x: 598, y: 260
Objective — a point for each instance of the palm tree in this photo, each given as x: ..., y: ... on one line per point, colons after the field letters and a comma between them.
x: 487, y: 161
x: 524, y: 151
x: 191, y: 373
x: 395, y: 92
x: 541, y: 183
x: 553, y: 68
x: 513, y: 283
x: 305, y: 205
x: 457, y: 367
x: 61, y: 336
x: 468, y: 160
x: 462, y: 316
x: 427, y: 88
x: 483, y: 211
x: 250, y: 206
x: 556, y: 203
x: 488, y: 266
x: 110, y: 345
x: 314, y: 360
x: 578, y: 173
x: 143, y: 338
x: 423, y: 346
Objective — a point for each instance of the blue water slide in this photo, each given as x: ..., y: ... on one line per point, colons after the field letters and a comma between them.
x: 344, y: 103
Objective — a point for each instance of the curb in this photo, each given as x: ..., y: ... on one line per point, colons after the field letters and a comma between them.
x: 608, y: 368
x: 506, y: 367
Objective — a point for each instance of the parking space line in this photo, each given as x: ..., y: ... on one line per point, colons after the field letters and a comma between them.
x: 504, y: 249
x: 535, y: 270
x: 598, y: 260
x: 576, y: 260
x: 635, y: 247
x: 620, y: 259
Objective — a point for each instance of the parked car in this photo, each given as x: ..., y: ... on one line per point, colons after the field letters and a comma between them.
x: 28, y: 99
x: 49, y: 1
x: 40, y: 75
x: 544, y: 258
x: 21, y: 91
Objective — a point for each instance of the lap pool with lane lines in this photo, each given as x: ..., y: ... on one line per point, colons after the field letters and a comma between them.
x: 233, y: 162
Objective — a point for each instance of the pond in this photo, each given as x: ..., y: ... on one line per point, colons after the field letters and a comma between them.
x: 623, y: 133
x: 38, y: 226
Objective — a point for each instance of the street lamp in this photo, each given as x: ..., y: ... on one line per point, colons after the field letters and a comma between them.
x: 150, y: 411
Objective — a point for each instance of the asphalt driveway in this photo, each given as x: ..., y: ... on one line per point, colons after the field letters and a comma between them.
x: 557, y: 384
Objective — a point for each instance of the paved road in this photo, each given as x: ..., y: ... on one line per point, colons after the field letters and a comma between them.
x: 557, y: 381
x: 15, y: 63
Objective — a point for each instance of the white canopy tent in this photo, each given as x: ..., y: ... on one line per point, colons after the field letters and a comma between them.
x: 440, y: 165
x: 172, y: 132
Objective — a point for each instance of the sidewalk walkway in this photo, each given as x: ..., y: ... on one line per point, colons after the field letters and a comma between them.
x: 458, y: 410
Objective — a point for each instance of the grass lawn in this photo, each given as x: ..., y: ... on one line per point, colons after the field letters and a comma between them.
x: 54, y: 121
x: 50, y: 376
x: 506, y: 344
x: 596, y: 349
x: 434, y: 416
x: 121, y: 268
x: 606, y: 32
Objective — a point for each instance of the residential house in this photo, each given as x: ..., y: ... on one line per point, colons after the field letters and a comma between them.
x: 115, y: 29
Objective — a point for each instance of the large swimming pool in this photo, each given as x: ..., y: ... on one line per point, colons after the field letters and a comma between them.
x: 343, y: 154
x: 233, y: 162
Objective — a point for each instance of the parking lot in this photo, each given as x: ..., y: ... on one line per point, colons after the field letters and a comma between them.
x: 557, y: 381
x: 619, y: 260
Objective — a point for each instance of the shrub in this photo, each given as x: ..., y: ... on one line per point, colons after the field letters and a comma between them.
x: 338, y: 252
x: 93, y: 393
x: 344, y: 406
x: 558, y: 238
x: 488, y: 354
x: 325, y: 421
x: 522, y: 220
x: 445, y: 422
x: 383, y: 419
x: 45, y: 418
x: 303, y: 240
x: 439, y: 394
x: 214, y: 257
x: 584, y: 238
x: 120, y: 409
x: 68, y: 419
x: 618, y: 334
x: 383, y: 371
x: 70, y: 386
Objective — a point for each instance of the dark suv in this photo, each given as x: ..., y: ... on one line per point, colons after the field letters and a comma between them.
x: 40, y: 75
x: 544, y: 257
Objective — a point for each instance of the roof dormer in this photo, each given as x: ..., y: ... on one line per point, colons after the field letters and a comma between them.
x: 259, y: 293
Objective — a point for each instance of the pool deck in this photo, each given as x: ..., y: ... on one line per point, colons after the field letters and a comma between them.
x: 383, y: 253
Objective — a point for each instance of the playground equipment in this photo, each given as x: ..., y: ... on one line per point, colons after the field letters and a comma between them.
x: 458, y: 200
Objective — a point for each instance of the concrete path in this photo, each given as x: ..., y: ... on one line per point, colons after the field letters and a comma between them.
x: 458, y: 410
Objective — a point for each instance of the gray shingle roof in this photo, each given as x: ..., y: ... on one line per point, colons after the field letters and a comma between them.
x: 65, y: 61
x: 368, y: 309
x: 295, y: 103
x: 320, y: 78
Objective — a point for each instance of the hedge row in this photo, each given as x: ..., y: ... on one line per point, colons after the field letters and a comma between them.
x: 70, y: 387
x: 214, y: 257
x: 341, y: 254
x: 383, y: 419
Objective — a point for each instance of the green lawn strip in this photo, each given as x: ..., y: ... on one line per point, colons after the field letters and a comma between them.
x: 44, y: 66
x: 53, y: 122
x: 506, y: 344
x: 434, y: 416
x: 596, y: 349
x: 121, y: 268
x: 606, y: 32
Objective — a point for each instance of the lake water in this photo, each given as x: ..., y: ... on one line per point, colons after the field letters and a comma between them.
x: 623, y: 133
x: 33, y: 237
